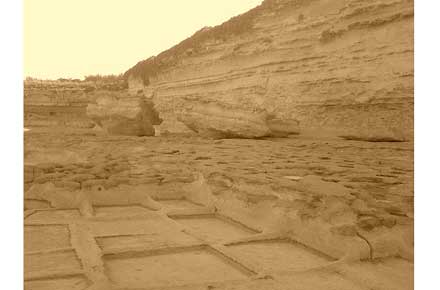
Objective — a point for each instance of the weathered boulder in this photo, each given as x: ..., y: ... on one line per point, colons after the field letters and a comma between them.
x: 124, y: 115
x: 218, y: 121
x: 282, y: 127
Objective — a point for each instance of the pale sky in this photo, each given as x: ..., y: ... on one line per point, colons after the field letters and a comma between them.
x: 74, y: 38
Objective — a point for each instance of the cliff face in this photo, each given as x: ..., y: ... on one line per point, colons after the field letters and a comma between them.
x: 53, y: 103
x: 84, y: 104
x: 337, y: 67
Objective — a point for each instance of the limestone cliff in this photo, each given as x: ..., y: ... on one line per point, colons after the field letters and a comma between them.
x: 335, y: 67
x: 54, y: 103
x: 85, y: 104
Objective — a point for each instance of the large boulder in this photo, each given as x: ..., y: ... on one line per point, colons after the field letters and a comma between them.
x: 219, y: 121
x: 124, y: 115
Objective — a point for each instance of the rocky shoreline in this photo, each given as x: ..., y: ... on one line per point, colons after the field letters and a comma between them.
x: 287, y: 129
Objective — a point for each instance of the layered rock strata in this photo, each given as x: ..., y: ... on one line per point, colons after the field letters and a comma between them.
x: 339, y: 68
x: 85, y: 104
x: 54, y: 103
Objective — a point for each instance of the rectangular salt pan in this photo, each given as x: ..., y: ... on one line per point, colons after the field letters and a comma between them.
x: 171, y: 269
x: 279, y: 256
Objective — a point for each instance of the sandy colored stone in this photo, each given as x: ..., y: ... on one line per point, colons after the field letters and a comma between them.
x: 124, y: 114
x: 123, y: 206
x: 346, y: 69
x: 220, y: 121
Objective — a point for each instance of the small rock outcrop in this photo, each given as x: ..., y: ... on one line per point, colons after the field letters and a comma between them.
x: 123, y: 114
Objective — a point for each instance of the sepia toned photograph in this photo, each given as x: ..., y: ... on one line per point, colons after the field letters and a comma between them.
x: 218, y: 145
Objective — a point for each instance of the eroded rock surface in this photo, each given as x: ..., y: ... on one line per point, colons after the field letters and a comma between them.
x: 344, y: 200
x: 124, y: 114
x: 323, y: 192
